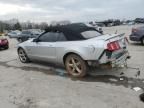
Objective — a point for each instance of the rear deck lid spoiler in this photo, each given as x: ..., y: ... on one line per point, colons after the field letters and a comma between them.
x: 112, y: 37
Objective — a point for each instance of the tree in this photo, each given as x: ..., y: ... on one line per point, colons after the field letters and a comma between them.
x: 1, y: 26
x: 17, y: 26
x: 43, y: 25
x: 30, y: 26
x: 7, y: 26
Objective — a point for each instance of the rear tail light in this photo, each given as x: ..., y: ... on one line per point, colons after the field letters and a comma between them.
x: 113, y: 46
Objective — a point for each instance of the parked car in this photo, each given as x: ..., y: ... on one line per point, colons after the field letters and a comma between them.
x: 137, y: 35
x: 139, y: 20
x: 77, y: 47
x: 99, y: 29
x: 4, y: 44
x: 27, y: 34
x: 14, y: 34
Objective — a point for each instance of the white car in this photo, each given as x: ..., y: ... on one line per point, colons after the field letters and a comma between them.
x: 76, y: 47
x: 14, y: 34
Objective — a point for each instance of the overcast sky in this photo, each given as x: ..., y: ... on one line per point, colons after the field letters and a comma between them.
x: 74, y: 10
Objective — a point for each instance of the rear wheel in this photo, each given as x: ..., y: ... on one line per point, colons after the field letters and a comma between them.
x: 22, y: 56
x: 75, y: 65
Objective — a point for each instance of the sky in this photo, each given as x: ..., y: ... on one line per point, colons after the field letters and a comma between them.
x: 73, y: 10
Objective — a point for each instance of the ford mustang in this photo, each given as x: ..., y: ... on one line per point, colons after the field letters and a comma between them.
x: 77, y: 47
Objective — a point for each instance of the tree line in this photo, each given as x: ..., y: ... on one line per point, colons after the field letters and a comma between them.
x: 4, y: 26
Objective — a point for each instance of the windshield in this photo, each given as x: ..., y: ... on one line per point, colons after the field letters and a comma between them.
x: 90, y: 34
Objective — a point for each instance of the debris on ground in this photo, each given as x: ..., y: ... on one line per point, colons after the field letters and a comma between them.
x: 60, y: 72
x: 113, y: 80
x: 121, y: 79
x: 137, y: 89
x: 138, y: 71
x: 121, y: 73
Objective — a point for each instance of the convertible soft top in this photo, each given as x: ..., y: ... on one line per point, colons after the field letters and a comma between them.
x: 71, y: 31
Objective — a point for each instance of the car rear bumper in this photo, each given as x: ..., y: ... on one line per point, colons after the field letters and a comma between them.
x: 118, y: 60
x: 121, y: 61
x: 135, y: 38
x: 2, y: 45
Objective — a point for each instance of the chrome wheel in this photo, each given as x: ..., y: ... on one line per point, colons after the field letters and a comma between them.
x: 76, y: 66
x: 22, y: 56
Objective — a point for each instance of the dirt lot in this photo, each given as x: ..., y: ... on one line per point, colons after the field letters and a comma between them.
x: 40, y: 85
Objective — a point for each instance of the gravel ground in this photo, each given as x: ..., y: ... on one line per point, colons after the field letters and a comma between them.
x: 41, y: 85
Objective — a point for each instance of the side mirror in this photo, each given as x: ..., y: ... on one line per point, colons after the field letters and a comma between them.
x: 35, y: 40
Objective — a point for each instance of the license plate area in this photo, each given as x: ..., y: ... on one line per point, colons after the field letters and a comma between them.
x: 120, y: 61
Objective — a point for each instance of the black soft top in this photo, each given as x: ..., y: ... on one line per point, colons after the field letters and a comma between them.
x: 71, y: 31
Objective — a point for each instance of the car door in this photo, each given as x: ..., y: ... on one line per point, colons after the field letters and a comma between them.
x: 44, y: 49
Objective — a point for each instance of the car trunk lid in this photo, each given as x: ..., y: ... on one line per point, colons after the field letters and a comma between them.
x: 115, y: 40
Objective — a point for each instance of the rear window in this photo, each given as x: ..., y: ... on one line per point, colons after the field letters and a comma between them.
x: 90, y: 34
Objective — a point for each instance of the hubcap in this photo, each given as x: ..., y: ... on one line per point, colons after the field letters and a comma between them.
x: 74, y: 66
x: 22, y: 55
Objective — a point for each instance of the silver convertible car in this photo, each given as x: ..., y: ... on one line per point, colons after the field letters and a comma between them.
x: 77, y: 47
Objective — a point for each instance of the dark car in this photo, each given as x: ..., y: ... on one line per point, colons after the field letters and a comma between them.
x: 4, y: 44
x: 27, y: 34
x: 137, y: 35
x: 139, y: 20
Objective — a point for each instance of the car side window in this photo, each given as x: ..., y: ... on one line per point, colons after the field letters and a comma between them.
x: 61, y: 37
x: 48, y: 37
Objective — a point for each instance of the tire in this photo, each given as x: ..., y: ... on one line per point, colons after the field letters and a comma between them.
x: 7, y: 47
x: 23, y: 56
x: 76, y: 66
x: 142, y: 41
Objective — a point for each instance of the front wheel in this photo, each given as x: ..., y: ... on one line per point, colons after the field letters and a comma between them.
x: 22, y: 56
x: 75, y: 65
